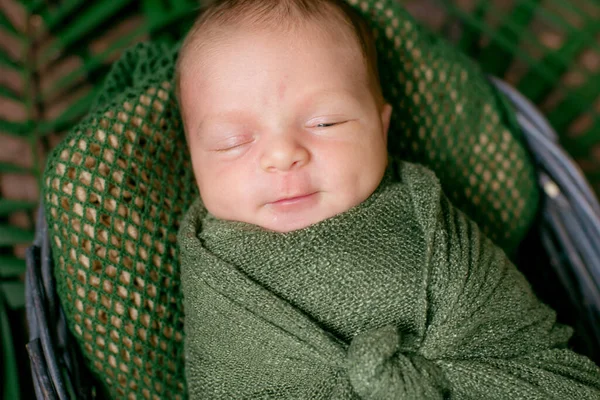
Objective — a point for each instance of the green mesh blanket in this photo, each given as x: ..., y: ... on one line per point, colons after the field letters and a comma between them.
x: 400, y: 297
x: 115, y: 191
x: 116, y: 188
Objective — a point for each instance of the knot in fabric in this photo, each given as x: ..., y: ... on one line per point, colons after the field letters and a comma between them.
x: 380, y: 366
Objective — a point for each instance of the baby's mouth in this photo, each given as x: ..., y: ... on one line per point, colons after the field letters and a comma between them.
x: 295, y: 204
x: 293, y: 199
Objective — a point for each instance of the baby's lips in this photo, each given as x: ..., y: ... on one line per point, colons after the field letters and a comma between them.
x: 294, y: 197
x: 297, y: 204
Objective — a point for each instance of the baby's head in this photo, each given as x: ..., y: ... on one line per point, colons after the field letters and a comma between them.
x: 283, y: 111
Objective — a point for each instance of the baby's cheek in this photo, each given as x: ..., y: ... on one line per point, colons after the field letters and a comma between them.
x: 228, y: 197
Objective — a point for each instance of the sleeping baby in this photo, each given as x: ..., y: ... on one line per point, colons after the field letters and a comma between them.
x: 314, y: 266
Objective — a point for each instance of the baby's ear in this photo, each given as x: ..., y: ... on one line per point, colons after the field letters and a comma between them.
x: 386, y: 115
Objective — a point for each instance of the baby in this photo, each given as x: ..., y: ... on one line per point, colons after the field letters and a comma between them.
x: 313, y: 267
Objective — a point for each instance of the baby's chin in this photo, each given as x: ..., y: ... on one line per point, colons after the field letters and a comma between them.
x: 297, y: 214
x: 285, y: 222
x: 286, y: 226
x: 282, y: 221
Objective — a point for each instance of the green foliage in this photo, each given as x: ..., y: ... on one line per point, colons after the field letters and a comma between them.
x: 90, y: 21
x: 10, y: 377
x: 11, y: 235
x: 11, y: 267
x: 550, y: 51
x: 8, y: 207
x: 14, y: 294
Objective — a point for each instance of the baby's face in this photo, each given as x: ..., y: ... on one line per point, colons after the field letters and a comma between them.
x: 283, y: 131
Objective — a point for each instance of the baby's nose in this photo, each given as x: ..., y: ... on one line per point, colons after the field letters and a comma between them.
x: 283, y: 154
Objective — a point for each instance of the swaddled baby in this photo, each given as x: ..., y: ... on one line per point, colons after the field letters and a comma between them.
x: 315, y: 267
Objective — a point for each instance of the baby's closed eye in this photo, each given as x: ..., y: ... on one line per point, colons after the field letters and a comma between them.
x: 232, y: 142
x: 327, y: 124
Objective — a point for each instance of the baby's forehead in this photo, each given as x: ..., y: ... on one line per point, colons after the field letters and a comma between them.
x: 225, y: 56
x: 227, y: 53
x: 332, y: 32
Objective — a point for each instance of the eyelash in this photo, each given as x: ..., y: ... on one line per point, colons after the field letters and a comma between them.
x: 329, y: 124
x: 233, y: 147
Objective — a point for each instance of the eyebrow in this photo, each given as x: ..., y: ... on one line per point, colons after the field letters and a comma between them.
x: 224, y: 116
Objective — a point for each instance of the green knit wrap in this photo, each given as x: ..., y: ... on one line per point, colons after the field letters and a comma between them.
x: 400, y: 297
